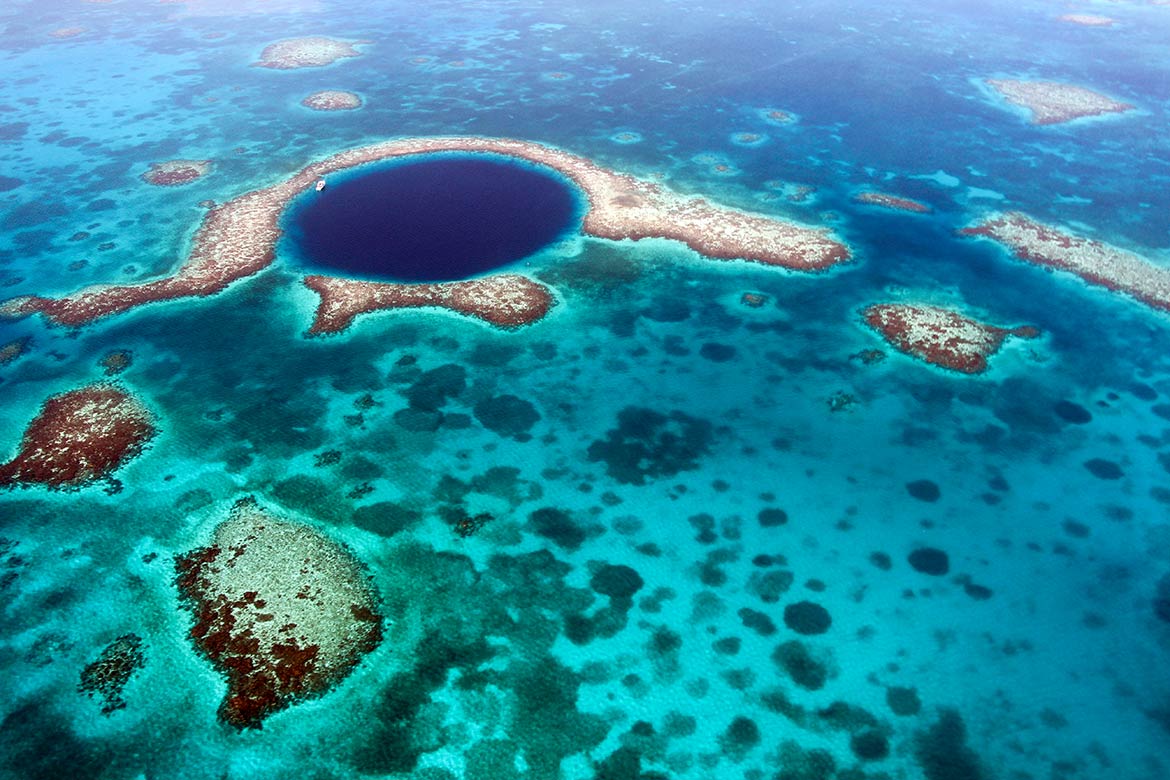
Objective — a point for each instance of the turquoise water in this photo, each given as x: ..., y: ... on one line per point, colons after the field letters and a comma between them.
x: 738, y: 459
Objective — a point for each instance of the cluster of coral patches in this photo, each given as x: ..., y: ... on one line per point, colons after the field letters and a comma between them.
x: 108, y: 675
x: 1053, y: 102
x: 1088, y: 20
x: 284, y: 612
x: 79, y: 437
x: 332, y: 100
x: 238, y: 238
x: 175, y: 172
x: 892, y: 202
x: 116, y: 361
x: 939, y: 336
x: 503, y: 300
x: 311, y: 52
x: 14, y: 349
x: 1094, y: 262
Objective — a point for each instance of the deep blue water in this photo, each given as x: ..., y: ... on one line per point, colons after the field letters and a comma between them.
x: 448, y: 217
x: 742, y: 462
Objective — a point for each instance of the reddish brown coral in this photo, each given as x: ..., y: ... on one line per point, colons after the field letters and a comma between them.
x: 503, y: 300
x: 283, y: 611
x: 1093, y: 261
x: 940, y: 336
x: 116, y: 361
x: 108, y: 675
x: 79, y: 437
x: 175, y: 172
x: 892, y: 202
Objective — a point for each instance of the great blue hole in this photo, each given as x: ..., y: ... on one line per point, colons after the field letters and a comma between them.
x: 439, y: 218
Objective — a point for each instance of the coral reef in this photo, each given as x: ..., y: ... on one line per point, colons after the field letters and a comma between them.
x: 283, y: 611
x: 939, y: 336
x: 175, y: 172
x: 1093, y: 261
x: 1053, y: 102
x: 108, y: 675
x: 79, y: 437
x: 311, y: 52
x: 332, y: 100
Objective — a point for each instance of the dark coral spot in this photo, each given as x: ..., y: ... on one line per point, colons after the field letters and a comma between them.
x: 717, y: 353
x: 903, y: 701
x: 930, y: 560
x: 757, y: 621
x: 870, y: 745
x: 772, y: 517
x: 740, y: 737
x: 807, y: 618
x: 617, y: 582
x: 881, y: 560
x: 1072, y: 413
x: 1104, y: 469
x: 507, y: 415
x: 648, y: 444
x: 924, y: 490
x: 805, y: 670
x: 942, y: 750
x: 558, y: 527
x: 432, y: 389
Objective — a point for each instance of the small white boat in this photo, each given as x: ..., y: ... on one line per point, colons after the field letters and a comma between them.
x: 320, y: 184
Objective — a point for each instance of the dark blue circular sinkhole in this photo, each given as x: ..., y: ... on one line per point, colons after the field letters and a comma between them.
x: 440, y: 218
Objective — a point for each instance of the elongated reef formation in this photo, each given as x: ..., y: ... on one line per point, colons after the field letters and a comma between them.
x: 1093, y: 261
x: 939, y: 336
x: 238, y: 238
x: 175, y: 172
x: 895, y: 202
x: 332, y: 100
x: 79, y: 437
x: 312, y: 52
x: 281, y: 610
x: 1052, y: 102
x: 503, y: 300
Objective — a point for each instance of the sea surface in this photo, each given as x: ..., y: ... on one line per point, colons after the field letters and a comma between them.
x: 996, y: 608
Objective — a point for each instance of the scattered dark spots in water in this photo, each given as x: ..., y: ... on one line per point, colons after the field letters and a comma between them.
x: 704, y: 525
x: 930, y: 560
x: 807, y: 618
x: 739, y: 679
x: 769, y: 586
x: 102, y: 204
x: 772, y: 517
x: 870, y: 745
x: 924, y: 490
x: 578, y: 629
x: 815, y: 585
x: 8, y: 183
x: 418, y: 420
x: 385, y: 518
x: 13, y: 131
x: 557, y: 526
x: 1072, y: 413
x: 1075, y: 529
x: 1104, y: 469
x: 507, y: 415
x: 997, y: 483
x: 796, y: 660
x: 648, y: 444
x: 1143, y: 392
x: 677, y: 724
x: 843, y: 716
x: 1162, y: 410
x: 757, y: 621
x: 881, y: 560
x: 616, y: 581
x: 667, y: 308
x: 728, y: 645
x: 903, y: 701
x: 1162, y: 599
x: 432, y: 388
x: 943, y: 753
x: 717, y: 353
x: 975, y: 591
x: 740, y: 737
